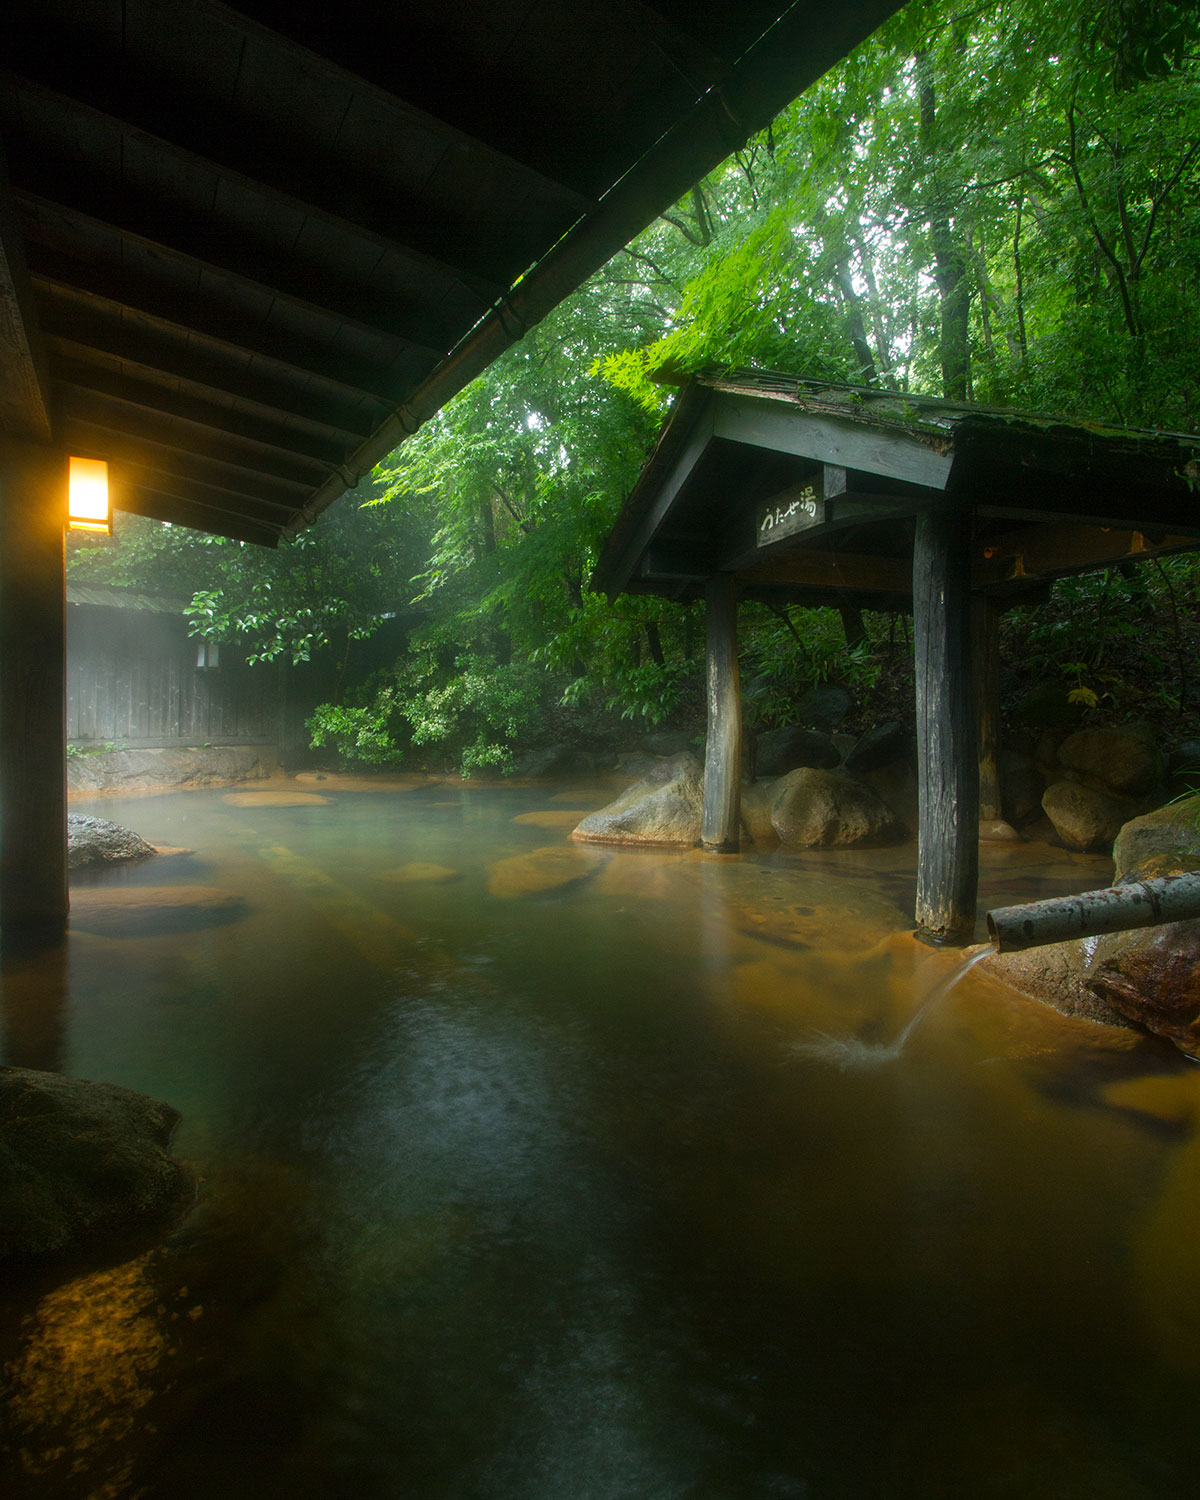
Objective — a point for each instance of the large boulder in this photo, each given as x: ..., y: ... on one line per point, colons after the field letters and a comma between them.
x: 1021, y: 785
x: 828, y: 809
x: 757, y: 797
x: 1084, y: 819
x: 1163, y: 842
x: 783, y: 750
x: 664, y: 808
x: 1126, y: 759
x: 879, y: 747
x: 824, y: 707
x: 80, y: 1162
x: 96, y: 841
x: 1149, y: 976
x: 1152, y: 976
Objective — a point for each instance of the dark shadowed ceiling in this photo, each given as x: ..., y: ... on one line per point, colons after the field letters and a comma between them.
x: 248, y: 251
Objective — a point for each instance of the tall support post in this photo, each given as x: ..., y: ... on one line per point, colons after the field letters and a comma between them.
x: 947, y: 750
x: 33, y: 750
x: 985, y: 637
x: 723, y: 743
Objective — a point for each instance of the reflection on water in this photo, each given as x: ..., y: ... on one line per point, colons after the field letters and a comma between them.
x: 526, y: 1178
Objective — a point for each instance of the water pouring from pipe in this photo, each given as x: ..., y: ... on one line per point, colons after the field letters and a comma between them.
x: 852, y: 1053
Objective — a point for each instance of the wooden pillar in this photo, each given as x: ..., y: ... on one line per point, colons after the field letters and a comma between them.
x: 947, y: 749
x: 723, y: 744
x: 985, y: 635
x: 33, y: 751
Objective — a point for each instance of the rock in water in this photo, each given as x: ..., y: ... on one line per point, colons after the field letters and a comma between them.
x: 825, y: 809
x: 1163, y: 842
x: 1125, y: 759
x: 1084, y: 819
x: 80, y: 1161
x: 95, y: 841
x: 665, y: 807
x: 783, y: 750
x: 1153, y: 977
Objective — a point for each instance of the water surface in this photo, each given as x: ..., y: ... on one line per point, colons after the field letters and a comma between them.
x: 530, y: 1173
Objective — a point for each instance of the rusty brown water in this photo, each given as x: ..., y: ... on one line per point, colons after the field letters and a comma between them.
x: 518, y: 1184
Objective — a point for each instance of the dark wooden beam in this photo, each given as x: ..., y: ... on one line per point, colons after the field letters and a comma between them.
x: 292, y: 188
x: 33, y: 746
x: 24, y: 380
x: 426, y: 311
x: 127, y: 476
x: 852, y: 572
x: 225, y: 419
x: 161, y: 506
x: 119, y: 447
x: 227, y: 294
x: 672, y: 483
x: 1057, y: 550
x: 947, y: 747
x: 1063, y: 474
x: 189, y: 437
x: 720, y: 827
x: 218, y: 350
x: 784, y: 427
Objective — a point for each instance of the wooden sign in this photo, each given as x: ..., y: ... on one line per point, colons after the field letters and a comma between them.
x: 795, y: 510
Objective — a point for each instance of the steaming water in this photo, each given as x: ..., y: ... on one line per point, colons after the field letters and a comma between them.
x: 519, y: 1183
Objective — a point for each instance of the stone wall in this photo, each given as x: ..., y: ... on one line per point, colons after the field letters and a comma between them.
x: 202, y: 765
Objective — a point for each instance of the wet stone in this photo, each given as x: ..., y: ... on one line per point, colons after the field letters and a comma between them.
x: 79, y: 1161
x: 96, y: 841
x: 147, y: 909
x: 542, y: 872
x: 275, y: 799
x: 419, y: 872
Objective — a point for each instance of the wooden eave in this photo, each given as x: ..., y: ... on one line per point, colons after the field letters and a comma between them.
x: 1048, y: 497
x: 244, y: 253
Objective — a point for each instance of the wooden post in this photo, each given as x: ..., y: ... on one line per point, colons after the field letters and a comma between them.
x: 723, y: 744
x: 947, y: 749
x: 33, y: 752
x: 985, y: 637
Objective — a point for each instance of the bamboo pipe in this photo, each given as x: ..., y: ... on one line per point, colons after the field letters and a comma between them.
x: 1141, y: 903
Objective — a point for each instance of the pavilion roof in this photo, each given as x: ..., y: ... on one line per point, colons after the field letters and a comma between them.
x: 808, y: 489
x: 245, y: 252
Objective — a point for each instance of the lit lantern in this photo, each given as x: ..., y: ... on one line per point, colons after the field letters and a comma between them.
x: 87, y: 496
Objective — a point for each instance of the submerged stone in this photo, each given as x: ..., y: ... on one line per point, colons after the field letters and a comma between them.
x: 140, y: 910
x: 80, y: 1161
x: 418, y: 872
x: 276, y: 799
x: 96, y: 841
x: 541, y: 871
x: 558, y: 817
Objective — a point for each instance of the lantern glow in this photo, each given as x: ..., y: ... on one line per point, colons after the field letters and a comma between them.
x: 87, y: 496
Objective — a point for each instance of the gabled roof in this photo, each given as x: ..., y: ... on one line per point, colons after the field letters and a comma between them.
x: 743, y: 449
x: 250, y: 250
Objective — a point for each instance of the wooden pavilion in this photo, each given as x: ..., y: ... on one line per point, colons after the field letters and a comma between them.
x: 245, y: 251
x: 776, y: 487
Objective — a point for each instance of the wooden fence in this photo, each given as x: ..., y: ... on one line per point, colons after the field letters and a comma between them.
x: 133, y: 679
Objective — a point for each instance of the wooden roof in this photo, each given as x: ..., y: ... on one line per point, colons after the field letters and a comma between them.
x: 807, y: 490
x: 244, y: 253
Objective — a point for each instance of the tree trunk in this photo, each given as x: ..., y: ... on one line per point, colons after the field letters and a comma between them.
x: 949, y: 262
